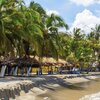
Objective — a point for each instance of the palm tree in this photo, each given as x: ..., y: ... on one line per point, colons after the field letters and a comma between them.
x: 19, y: 27
x: 8, y: 24
x: 33, y: 29
x: 80, y: 47
x: 28, y: 29
x: 65, y: 40
x: 94, y: 37
x: 51, y: 46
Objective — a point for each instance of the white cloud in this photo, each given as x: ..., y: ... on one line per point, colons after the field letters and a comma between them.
x: 49, y: 12
x: 85, y: 2
x: 62, y: 30
x: 85, y: 20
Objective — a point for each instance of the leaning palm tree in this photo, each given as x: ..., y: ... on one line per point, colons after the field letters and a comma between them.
x: 51, y: 46
x: 33, y: 29
x: 19, y: 27
x: 28, y: 29
x: 8, y: 24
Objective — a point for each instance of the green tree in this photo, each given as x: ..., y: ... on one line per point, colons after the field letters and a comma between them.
x: 51, y: 44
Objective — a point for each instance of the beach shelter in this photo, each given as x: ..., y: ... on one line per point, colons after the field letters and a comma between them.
x: 3, y: 67
x: 47, y: 64
x: 26, y: 64
x: 13, y: 66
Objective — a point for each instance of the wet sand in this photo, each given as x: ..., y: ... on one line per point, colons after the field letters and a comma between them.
x: 73, y: 92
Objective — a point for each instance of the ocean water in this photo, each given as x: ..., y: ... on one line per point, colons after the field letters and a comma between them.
x: 95, y: 96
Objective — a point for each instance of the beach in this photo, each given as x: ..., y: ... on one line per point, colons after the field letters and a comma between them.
x: 35, y: 88
x: 49, y: 49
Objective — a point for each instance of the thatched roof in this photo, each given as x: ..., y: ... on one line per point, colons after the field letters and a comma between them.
x: 48, y: 60
x: 22, y: 61
x: 26, y: 60
x: 61, y: 61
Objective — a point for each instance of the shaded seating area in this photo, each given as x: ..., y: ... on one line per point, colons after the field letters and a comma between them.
x: 48, y: 68
x: 18, y: 67
x: 28, y: 66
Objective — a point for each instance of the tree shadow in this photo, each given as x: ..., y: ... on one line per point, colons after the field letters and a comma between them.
x: 55, y: 80
x: 41, y: 82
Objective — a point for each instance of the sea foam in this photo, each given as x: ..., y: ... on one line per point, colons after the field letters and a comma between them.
x: 95, y: 96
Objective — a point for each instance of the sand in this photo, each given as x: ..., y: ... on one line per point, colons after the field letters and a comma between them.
x: 28, y: 88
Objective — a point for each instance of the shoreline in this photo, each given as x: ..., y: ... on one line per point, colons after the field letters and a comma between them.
x: 12, y: 87
x: 94, y: 96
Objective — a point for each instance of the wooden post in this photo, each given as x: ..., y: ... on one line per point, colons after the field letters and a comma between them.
x: 12, y: 71
x: 15, y: 71
x: 3, y: 70
x: 28, y: 71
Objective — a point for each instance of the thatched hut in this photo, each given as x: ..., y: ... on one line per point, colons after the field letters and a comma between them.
x: 19, y: 66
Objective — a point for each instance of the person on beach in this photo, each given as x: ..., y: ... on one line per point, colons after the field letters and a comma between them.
x: 60, y: 70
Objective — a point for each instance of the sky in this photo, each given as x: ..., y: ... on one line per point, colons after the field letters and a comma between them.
x: 84, y: 14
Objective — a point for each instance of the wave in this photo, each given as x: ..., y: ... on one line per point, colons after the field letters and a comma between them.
x: 95, y: 96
